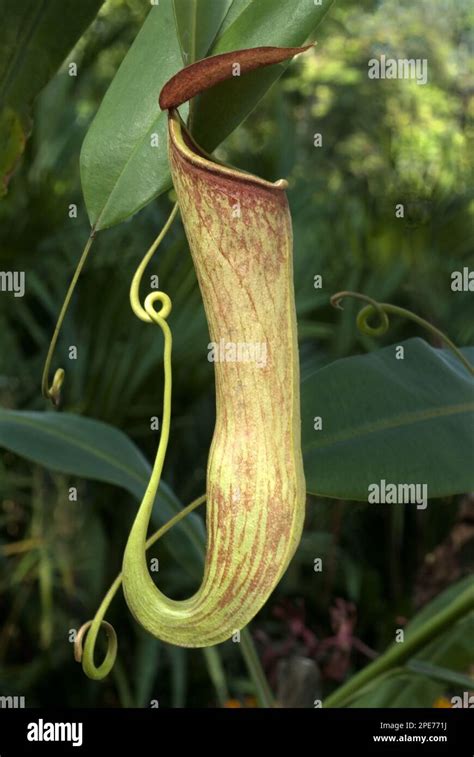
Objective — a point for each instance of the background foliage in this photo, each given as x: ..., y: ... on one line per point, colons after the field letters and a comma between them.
x: 384, y: 142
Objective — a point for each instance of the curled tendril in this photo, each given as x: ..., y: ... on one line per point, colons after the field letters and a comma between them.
x: 53, y: 391
x: 364, y: 326
x: 91, y: 670
x: 141, y: 312
x: 149, y: 314
x: 92, y: 627
x: 382, y: 310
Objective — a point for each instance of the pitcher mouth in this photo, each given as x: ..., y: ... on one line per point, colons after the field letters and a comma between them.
x: 185, y: 145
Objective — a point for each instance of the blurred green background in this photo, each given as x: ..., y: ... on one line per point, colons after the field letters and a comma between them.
x: 383, y: 143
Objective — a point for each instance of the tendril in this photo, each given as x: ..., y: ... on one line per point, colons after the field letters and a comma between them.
x: 382, y: 310
x: 53, y: 391
x: 92, y: 627
x: 137, y: 308
x: 148, y: 313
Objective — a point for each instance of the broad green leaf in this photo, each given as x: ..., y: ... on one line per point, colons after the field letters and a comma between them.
x: 436, y: 605
x: 391, y: 691
x: 443, y: 675
x: 120, y: 170
x: 91, y: 449
x: 237, y: 7
x: 124, y: 160
x: 197, y: 22
x: 68, y: 443
x: 88, y: 448
x: 454, y: 648
x: 34, y: 40
x: 286, y: 23
x: 447, y: 655
x: 404, y: 421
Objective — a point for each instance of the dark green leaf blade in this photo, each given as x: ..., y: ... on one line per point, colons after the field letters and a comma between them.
x: 198, y: 22
x: 68, y: 443
x: 34, y: 40
x: 87, y: 448
x: 288, y: 23
x: 235, y: 10
x: 124, y: 160
x: 447, y: 654
x: 404, y: 421
x: 121, y: 172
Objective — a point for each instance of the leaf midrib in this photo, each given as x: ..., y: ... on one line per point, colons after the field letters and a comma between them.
x: 82, y: 446
x: 97, y: 225
x: 405, y: 419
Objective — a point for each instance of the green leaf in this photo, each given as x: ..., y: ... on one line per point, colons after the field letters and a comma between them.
x: 434, y: 606
x: 443, y: 675
x: 439, y: 663
x: 237, y: 7
x: 121, y: 170
x: 68, y: 443
x: 35, y: 37
x: 88, y: 448
x: 197, y: 22
x: 287, y: 23
x: 391, y: 691
x: 34, y: 40
x: 405, y: 421
x: 84, y: 447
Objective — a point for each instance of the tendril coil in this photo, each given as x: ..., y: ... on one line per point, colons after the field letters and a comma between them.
x: 148, y: 313
x: 383, y: 310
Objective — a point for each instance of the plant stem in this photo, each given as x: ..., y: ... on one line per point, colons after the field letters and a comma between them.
x: 254, y: 667
x: 399, y: 653
x: 18, y: 547
x: 52, y: 392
